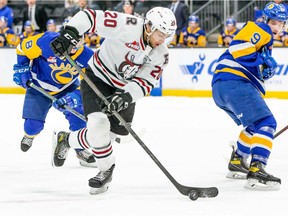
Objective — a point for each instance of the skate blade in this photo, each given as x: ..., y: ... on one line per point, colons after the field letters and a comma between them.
x: 95, y: 191
x: 254, y: 184
x: 85, y: 164
x: 236, y: 175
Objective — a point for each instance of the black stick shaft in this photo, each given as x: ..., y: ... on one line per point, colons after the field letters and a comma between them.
x: 74, y: 112
x: 127, y: 127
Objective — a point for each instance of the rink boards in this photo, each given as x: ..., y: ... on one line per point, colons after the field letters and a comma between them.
x: 188, y: 73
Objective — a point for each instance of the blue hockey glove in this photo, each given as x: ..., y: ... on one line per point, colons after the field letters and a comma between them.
x: 22, y: 75
x: 71, y: 99
x: 120, y: 100
x: 268, y: 73
x: 269, y: 65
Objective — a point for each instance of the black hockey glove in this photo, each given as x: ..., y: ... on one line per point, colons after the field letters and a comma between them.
x: 120, y: 100
x: 62, y: 45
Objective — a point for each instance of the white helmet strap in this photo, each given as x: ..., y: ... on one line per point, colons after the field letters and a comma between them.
x: 148, y: 33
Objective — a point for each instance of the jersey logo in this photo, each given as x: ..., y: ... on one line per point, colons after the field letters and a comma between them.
x: 63, y: 73
x: 134, y: 45
x: 28, y: 44
x: 128, y: 68
x: 195, y: 69
x: 173, y: 23
x: 52, y: 59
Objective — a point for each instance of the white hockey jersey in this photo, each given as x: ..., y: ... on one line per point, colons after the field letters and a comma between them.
x: 123, y: 61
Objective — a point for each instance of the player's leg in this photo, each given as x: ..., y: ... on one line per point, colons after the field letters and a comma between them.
x: 35, y: 109
x: 224, y: 93
x: 238, y: 167
x: 250, y: 109
x: 261, y: 145
x: 86, y: 157
x: 96, y: 136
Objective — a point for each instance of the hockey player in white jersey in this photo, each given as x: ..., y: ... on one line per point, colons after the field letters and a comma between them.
x: 125, y: 68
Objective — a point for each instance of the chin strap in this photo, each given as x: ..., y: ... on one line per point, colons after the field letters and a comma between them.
x: 148, y: 35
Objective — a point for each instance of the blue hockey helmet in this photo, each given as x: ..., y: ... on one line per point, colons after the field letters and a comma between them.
x: 230, y: 21
x: 51, y: 21
x: 194, y: 19
x: 275, y: 11
x: 28, y: 23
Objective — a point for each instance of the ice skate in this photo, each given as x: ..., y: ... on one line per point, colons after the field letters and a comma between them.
x: 26, y: 143
x: 86, y: 158
x: 60, y: 148
x: 100, y: 183
x: 258, y: 178
x: 237, y: 166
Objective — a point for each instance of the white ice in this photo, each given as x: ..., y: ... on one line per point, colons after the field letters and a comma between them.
x: 189, y: 136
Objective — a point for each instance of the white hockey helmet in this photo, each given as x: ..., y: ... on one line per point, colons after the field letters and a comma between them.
x: 162, y: 19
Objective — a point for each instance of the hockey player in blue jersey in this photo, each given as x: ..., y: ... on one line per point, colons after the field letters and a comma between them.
x: 238, y: 86
x: 37, y: 63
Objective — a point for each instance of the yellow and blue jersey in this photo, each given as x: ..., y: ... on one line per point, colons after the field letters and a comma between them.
x: 281, y: 39
x: 48, y: 71
x: 26, y: 35
x: 8, y: 38
x: 197, y: 33
x: 223, y: 34
x: 242, y: 60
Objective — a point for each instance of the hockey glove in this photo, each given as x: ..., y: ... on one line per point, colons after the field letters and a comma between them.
x: 269, y: 65
x: 71, y: 99
x: 62, y: 45
x: 22, y: 75
x: 120, y: 100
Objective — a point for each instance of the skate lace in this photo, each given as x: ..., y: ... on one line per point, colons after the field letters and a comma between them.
x: 27, y: 141
x: 63, y: 152
x: 63, y: 148
x: 101, y: 176
x: 84, y: 155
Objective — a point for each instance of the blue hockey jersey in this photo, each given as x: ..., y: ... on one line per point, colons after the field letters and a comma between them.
x: 48, y: 71
x: 242, y: 60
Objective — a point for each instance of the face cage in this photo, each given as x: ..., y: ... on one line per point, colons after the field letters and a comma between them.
x: 284, y: 28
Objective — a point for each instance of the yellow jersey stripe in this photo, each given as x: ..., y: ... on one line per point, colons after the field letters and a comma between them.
x: 245, y: 138
x: 261, y: 141
x: 233, y: 71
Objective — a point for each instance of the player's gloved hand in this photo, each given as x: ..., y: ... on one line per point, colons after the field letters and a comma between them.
x: 63, y: 44
x: 70, y: 99
x: 269, y: 65
x: 120, y: 100
x: 22, y: 75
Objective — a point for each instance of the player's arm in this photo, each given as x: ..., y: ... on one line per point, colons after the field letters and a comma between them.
x: 247, y: 45
x: 220, y: 40
x: 106, y: 24
x: 141, y: 85
x: 26, y: 51
x: 201, y: 41
x: 147, y: 77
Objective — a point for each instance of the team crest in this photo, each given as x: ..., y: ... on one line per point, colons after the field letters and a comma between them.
x: 134, y: 45
x: 127, y: 69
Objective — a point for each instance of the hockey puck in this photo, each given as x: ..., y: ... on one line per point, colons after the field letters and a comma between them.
x: 193, y: 195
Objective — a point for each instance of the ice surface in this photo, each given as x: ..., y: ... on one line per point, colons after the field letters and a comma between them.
x: 189, y: 136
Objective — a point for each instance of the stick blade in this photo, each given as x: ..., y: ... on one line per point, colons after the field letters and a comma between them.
x: 203, y: 192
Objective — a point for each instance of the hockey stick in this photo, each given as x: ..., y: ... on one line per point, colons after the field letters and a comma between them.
x: 74, y: 112
x: 192, y: 192
x: 281, y: 131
